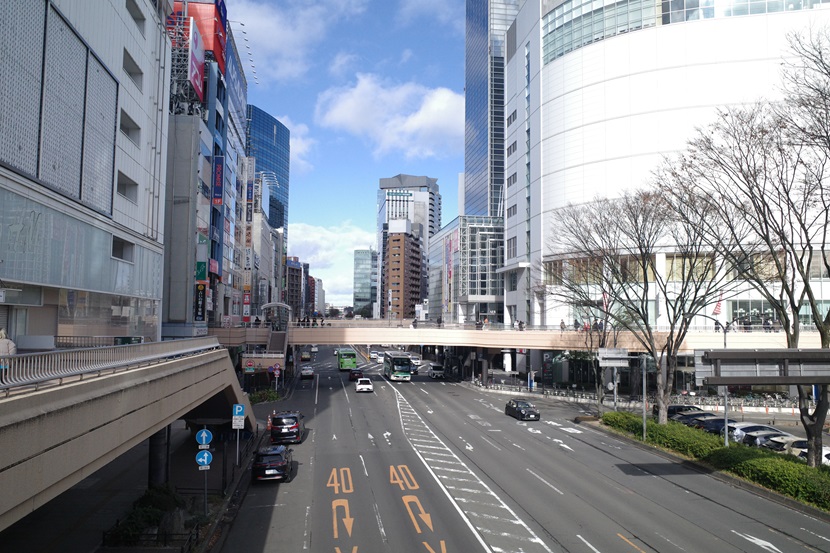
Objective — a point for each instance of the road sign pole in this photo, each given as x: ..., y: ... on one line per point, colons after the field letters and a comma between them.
x: 206, y: 503
x: 237, y: 447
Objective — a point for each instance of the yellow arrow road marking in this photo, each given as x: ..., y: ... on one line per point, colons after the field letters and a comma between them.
x: 408, y: 500
x: 442, y: 549
x: 347, y: 520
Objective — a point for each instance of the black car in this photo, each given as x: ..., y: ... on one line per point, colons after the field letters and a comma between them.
x: 522, y: 409
x: 354, y: 374
x: 273, y: 462
x: 286, y: 427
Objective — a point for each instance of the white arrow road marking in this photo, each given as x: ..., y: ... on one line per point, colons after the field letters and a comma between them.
x: 469, y: 447
x: 534, y: 431
x: 611, y: 445
x: 572, y: 430
x: 552, y: 423
x: 520, y: 447
x: 386, y: 437
x: 429, y: 411
x: 333, y: 437
x: 765, y: 545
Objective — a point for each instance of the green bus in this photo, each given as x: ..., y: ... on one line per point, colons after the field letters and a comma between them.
x: 397, y: 366
x: 346, y: 359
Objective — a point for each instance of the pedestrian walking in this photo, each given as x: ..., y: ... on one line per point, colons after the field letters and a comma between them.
x: 7, y: 347
x: 562, y: 326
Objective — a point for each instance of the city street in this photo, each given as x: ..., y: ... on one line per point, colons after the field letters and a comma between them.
x: 436, y: 466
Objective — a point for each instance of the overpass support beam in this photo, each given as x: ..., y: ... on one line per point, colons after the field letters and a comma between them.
x: 158, y: 473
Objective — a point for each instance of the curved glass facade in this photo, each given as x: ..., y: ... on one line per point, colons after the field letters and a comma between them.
x: 269, y: 143
x: 577, y: 23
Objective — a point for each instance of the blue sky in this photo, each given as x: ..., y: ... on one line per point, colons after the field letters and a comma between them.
x: 369, y: 89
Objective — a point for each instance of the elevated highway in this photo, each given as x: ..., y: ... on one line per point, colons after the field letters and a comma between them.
x: 90, y: 406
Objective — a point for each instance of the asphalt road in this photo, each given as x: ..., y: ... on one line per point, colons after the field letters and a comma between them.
x: 433, y: 466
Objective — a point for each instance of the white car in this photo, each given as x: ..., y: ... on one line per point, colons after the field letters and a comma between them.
x: 364, y: 385
x: 416, y: 359
x: 373, y: 355
x: 436, y: 371
x: 306, y: 372
x: 314, y: 349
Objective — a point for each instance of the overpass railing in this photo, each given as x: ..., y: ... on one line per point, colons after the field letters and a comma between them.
x: 34, y: 369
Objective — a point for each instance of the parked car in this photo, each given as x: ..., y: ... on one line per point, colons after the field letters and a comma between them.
x: 354, y: 374
x: 738, y: 430
x: 273, y: 462
x: 286, y: 427
x: 714, y: 426
x: 796, y: 447
x: 779, y: 444
x: 687, y: 417
x: 435, y: 371
x: 364, y: 385
x: 675, y: 409
x: 758, y: 438
x: 307, y: 371
x: 522, y: 408
x: 825, y: 455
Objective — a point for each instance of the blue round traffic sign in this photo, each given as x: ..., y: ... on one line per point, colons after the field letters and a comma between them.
x: 204, y: 457
x: 204, y: 436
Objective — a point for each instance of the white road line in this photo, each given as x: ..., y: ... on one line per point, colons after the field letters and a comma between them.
x: 551, y: 486
x: 594, y: 549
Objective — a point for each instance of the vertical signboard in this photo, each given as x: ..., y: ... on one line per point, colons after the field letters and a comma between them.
x: 218, y: 179
x: 199, y: 303
x: 196, y: 66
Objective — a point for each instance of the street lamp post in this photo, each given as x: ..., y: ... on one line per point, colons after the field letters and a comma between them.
x: 688, y: 316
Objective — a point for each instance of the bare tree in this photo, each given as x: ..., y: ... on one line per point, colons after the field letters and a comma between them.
x: 763, y: 188
x: 637, y: 261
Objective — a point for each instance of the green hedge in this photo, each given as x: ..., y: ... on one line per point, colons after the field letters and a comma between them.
x: 784, y: 474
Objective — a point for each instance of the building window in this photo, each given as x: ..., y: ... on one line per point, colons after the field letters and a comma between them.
x: 511, y: 248
x: 512, y: 179
x: 133, y: 71
x: 511, y: 211
x: 123, y: 250
x: 127, y: 187
x: 136, y: 14
x: 553, y: 272
x: 130, y: 128
x: 511, y: 149
x: 511, y: 118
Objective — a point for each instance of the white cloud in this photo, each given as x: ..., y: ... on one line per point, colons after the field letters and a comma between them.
x: 446, y: 12
x: 284, y: 35
x: 406, y: 55
x: 341, y: 63
x: 409, y: 118
x: 329, y: 251
x: 301, y: 145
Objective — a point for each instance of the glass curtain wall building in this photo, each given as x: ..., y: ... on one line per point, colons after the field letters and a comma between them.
x: 365, y: 282
x: 269, y: 142
x: 487, y: 23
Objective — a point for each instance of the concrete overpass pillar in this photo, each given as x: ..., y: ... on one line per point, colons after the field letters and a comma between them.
x: 158, y: 473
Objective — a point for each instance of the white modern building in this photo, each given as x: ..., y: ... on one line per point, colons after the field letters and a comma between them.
x: 82, y: 168
x: 597, y: 94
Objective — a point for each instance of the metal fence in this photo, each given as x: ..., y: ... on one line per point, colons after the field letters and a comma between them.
x: 34, y: 369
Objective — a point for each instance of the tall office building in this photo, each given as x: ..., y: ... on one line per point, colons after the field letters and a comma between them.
x: 365, y: 282
x: 402, y: 270
x: 415, y: 199
x: 487, y: 24
x: 269, y: 141
x: 82, y: 169
x: 592, y: 113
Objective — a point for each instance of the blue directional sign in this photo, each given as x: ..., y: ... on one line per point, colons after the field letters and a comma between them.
x: 203, y: 437
x: 238, y: 410
x: 203, y: 458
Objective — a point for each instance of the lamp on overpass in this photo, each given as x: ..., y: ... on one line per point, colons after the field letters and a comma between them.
x: 687, y: 317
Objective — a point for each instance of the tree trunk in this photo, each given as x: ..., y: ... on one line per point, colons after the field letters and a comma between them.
x: 813, y: 422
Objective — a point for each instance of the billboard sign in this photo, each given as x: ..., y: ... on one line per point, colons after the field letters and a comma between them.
x: 196, y: 65
x: 218, y: 179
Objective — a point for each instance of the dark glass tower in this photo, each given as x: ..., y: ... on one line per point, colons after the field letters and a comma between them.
x: 487, y: 23
x: 268, y: 142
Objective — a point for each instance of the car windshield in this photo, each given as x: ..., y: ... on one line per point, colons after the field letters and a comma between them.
x: 271, y: 459
x: 283, y: 420
x: 524, y: 405
x: 364, y: 381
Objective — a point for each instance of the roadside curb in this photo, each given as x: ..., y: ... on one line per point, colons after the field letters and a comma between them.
x: 726, y: 478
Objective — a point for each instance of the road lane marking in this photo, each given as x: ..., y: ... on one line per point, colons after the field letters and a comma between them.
x: 594, y: 549
x: 629, y: 542
x: 551, y: 486
x: 426, y: 518
x: 348, y: 521
x: 501, y: 532
x: 380, y: 523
